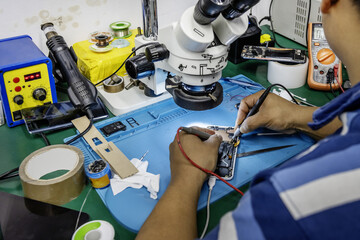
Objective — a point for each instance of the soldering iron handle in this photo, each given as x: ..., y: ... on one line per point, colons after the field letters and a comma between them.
x: 202, y: 135
x: 253, y: 110
x: 258, y: 103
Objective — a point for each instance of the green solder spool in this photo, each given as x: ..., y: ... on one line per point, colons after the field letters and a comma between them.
x: 99, y: 173
x: 121, y: 29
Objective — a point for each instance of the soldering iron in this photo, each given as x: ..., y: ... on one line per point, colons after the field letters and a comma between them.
x: 252, y: 111
x: 257, y: 106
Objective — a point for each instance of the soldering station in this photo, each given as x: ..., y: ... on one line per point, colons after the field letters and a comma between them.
x: 129, y: 91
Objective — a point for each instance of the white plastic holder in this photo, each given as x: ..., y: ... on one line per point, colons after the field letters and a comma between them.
x: 128, y: 100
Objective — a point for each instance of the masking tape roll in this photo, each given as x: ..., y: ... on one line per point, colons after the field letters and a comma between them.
x: 47, y: 161
x: 97, y: 229
x: 289, y: 75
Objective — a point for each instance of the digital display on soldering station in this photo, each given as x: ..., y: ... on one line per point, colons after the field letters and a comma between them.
x: 32, y: 76
x: 319, y: 33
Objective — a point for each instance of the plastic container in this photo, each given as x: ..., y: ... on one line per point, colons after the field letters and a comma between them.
x: 99, y: 173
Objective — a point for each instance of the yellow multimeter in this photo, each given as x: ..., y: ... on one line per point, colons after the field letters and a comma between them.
x: 325, y: 70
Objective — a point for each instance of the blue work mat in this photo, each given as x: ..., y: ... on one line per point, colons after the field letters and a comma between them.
x: 153, y: 128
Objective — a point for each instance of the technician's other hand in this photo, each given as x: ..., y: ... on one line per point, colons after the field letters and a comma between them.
x: 203, y: 153
x: 275, y: 113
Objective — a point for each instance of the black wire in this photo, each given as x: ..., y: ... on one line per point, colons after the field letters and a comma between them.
x: 91, y: 119
x: 332, y: 90
x: 46, y: 140
x: 264, y: 18
x: 292, y: 97
x: 133, y: 51
x: 307, y: 25
x: 9, y: 174
x: 272, y: 26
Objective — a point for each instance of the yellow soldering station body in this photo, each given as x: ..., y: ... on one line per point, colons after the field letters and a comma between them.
x: 26, y: 78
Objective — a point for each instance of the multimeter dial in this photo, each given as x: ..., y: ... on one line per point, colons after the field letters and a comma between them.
x: 325, y: 56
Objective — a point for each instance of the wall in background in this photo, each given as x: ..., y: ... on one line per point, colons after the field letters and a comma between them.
x: 75, y: 19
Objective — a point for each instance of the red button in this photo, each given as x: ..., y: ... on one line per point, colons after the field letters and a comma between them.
x: 16, y: 80
x: 17, y: 88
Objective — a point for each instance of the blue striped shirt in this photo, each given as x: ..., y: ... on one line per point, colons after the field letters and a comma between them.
x: 316, y: 195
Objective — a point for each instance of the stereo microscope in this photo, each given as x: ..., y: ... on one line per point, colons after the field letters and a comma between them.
x: 187, y: 57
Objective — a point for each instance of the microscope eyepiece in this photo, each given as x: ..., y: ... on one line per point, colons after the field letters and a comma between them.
x: 238, y: 8
x: 207, y: 11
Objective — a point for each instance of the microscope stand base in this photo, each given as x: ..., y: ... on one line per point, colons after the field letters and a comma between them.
x: 128, y: 100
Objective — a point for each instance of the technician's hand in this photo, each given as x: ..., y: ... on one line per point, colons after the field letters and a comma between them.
x: 203, y: 153
x: 275, y: 113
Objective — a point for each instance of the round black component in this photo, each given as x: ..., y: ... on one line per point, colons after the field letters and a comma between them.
x: 139, y: 67
x: 207, y: 11
x: 39, y: 94
x: 237, y: 8
x: 156, y: 52
x: 102, y: 40
x: 18, y: 99
x: 197, y: 102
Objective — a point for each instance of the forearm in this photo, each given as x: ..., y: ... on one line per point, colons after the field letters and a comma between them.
x: 303, y: 115
x: 174, y: 216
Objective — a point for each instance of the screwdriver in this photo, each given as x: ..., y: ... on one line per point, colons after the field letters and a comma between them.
x: 252, y: 112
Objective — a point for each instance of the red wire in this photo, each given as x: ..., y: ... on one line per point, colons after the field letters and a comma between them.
x: 201, y: 168
x: 336, y: 68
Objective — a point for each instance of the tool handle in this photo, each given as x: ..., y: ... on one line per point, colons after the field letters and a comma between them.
x: 253, y: 110
x: 202, y: 135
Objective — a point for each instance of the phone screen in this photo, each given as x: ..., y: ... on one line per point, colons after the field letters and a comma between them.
x: 24, y: 218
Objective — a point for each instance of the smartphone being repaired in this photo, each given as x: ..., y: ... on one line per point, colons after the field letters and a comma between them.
x: 227, y: 152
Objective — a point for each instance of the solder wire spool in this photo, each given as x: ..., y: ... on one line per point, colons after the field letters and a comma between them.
x: 96, y: 229
x: 93, y: 35
x: 121, y: 29
x: 99, y: 173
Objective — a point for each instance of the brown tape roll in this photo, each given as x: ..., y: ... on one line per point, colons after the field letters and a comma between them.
x: 58, y: 190
x: 114, y: 84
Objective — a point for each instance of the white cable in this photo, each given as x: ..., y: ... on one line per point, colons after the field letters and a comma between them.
x: 78, y: 218
x: 211, y: 184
